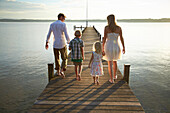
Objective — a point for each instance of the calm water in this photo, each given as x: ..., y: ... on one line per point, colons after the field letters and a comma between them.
x: 23, y: 63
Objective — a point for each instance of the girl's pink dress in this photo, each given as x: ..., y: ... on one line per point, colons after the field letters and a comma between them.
x: 97, y: 66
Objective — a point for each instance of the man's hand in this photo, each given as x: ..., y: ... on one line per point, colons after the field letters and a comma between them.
x: 68, y: 42
x: 46, y: 46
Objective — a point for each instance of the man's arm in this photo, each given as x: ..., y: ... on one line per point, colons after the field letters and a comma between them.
x: 66, y: 34
x: 48, y: 37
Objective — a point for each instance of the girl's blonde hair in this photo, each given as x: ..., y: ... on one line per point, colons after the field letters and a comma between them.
x: 97, y: 47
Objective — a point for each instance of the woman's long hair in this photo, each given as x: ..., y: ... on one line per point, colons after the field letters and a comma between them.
x: 112, y: 23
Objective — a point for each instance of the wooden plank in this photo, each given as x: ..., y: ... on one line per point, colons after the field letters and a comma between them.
x: 69, y: 95
x: 88, y: 107
x: 111, y: 99
x: 89, y: 103
x: 82, y: 111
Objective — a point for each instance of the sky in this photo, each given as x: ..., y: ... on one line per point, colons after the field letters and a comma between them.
x: 76, y: 9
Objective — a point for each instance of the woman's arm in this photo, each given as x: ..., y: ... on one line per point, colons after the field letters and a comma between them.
x: 122, y: 40
x: 91, y: 60
x: 104, y: 39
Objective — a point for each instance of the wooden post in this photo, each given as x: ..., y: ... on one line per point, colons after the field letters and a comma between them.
x: 50, y: 71
x: 100, y: 37
x: 126, y: 72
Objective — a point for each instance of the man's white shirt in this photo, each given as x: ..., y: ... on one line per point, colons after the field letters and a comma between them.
x: 59, y: 30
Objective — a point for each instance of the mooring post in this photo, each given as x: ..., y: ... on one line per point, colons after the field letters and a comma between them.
x: 74, y: 27
x: 126, y: 72
x: 50, y: 71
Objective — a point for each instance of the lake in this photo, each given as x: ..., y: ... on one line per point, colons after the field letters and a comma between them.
x: 23, y: 62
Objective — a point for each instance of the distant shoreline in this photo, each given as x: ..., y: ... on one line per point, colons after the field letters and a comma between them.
x: 90, y: 20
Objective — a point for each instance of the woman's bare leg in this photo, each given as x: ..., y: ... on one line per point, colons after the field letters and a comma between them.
x: 110, y: 70
x: 114, y: 68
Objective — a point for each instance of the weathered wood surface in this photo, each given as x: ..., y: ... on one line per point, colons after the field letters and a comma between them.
x: 69, y: 95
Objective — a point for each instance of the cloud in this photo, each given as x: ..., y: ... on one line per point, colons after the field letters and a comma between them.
x: 13, y: 5
x: 76, y: 9
x: 47, y: 9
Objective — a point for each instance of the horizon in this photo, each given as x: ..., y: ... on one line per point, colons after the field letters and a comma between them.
x: 76, y: 9
x: 82, y: 19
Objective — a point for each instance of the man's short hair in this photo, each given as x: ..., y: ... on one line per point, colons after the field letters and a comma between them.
x: 61, y: 15
x: 77, y: 33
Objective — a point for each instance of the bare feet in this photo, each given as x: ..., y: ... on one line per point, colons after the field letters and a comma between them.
x: 115, y: 77
x: 62, y: 75
x: 79, y: 77
x: 111, y: 81
x: 97, y: 82
x: 57, y: 73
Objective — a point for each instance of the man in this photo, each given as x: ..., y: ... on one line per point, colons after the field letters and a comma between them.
x: 59, y: 46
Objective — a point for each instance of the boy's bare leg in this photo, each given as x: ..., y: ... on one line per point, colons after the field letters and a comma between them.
x: 76, y: 72
x: 80, y: 70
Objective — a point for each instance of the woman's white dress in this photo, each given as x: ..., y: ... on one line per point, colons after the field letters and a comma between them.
x: 112, y: 47
x: 96, y: 66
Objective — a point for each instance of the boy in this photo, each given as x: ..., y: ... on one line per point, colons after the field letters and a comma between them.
x: 77, y: 53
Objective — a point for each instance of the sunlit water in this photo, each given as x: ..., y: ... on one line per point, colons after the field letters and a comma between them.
x: 23, y: 62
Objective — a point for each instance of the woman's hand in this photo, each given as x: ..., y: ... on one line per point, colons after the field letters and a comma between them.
x: 123, y: 50
x: 103, y: 53
x: 46, y: 46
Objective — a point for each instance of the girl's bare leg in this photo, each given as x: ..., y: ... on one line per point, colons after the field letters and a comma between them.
x: 110, y: 70
x: 97, y: 80
x: 94, y: 78
x: 114, y: 68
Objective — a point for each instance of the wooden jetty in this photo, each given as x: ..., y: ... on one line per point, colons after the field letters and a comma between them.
x: 69, y: 95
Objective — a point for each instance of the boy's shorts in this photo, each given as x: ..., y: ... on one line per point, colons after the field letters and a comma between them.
x: 77, y: 63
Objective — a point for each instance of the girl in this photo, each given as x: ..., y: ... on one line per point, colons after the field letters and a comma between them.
x: 96, y: 62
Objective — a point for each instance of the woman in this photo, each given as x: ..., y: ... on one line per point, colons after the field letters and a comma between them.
x: 111, y: 48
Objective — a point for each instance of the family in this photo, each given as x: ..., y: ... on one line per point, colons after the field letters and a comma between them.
x: 109, y: 50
